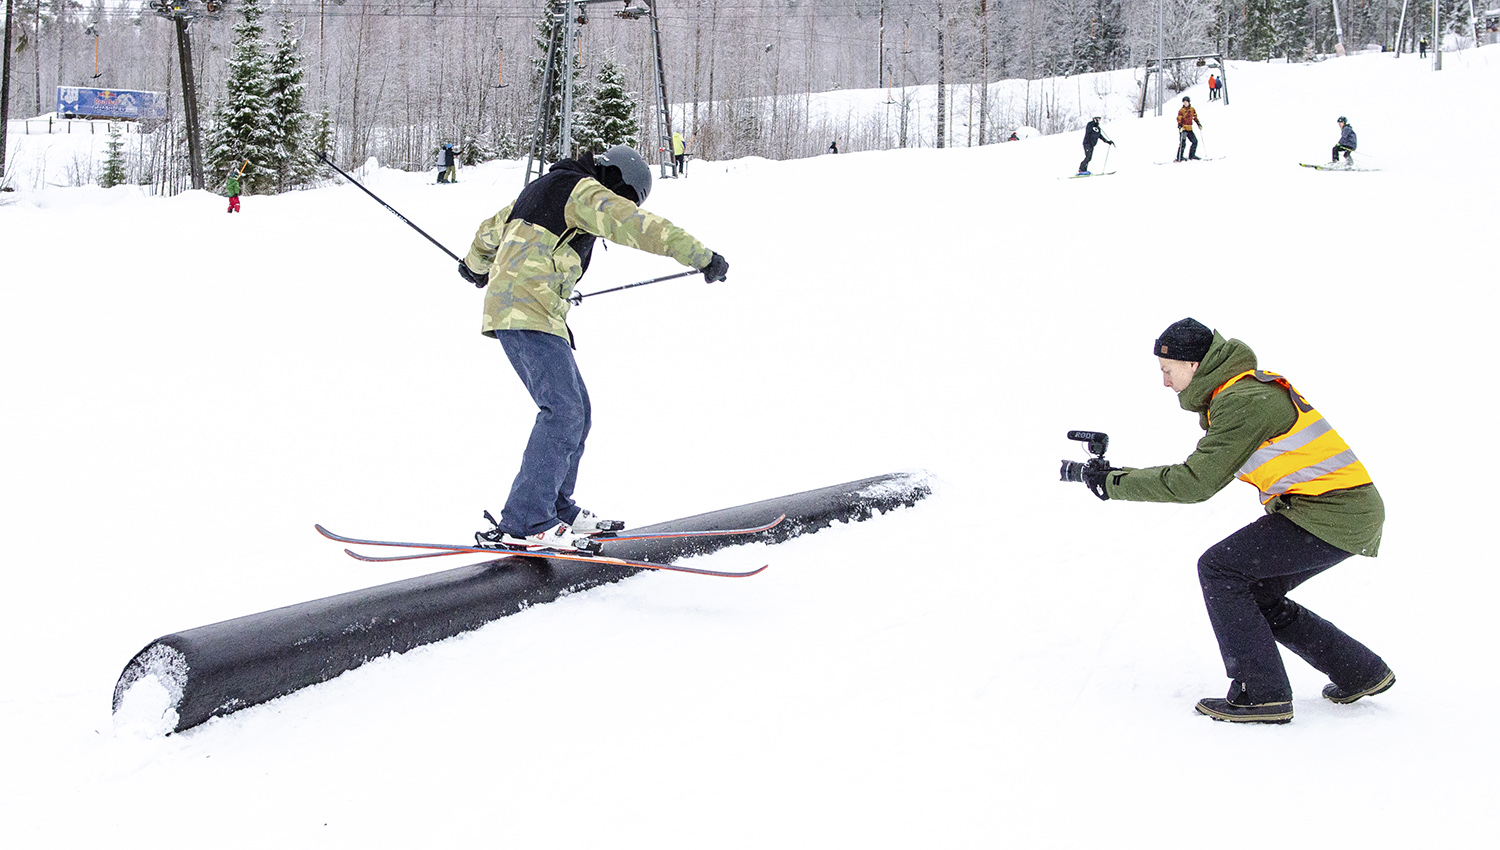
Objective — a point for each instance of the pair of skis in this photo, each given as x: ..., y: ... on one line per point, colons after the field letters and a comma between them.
x: 1331, y: 167
x: 445, y: 549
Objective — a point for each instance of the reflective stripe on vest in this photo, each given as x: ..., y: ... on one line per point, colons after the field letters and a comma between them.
x: 1309, y: 459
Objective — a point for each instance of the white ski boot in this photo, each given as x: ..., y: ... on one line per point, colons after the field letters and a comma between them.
x: 587, y: 522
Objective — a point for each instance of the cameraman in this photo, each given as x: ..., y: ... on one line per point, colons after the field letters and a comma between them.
x: 1321, y: 507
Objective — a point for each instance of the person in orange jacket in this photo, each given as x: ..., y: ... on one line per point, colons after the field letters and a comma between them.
x: 1187, y: 116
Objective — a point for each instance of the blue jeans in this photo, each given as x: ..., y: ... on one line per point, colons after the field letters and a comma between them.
x: 542, y: 494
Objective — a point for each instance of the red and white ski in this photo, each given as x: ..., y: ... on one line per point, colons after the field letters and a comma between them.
x: 445, y: 549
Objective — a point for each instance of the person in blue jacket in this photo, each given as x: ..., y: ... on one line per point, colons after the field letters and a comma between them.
x: 1347, y: 143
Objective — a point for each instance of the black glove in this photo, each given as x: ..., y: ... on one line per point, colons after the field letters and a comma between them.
x: 479, y: 279
x: 717, y: 269
x: 1111, y: 144
x: 1093, y: 478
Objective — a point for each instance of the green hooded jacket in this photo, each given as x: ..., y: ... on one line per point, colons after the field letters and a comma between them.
x: 232, y: 186
x: 1244, y: 416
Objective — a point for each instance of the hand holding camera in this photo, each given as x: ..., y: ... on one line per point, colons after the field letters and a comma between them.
x: 1092, y: 471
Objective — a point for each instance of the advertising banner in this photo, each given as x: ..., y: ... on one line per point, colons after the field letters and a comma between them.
x: 77, y: 102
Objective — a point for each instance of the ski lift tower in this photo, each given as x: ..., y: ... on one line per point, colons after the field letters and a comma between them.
x: 1158, y: 67
x: 557, y: 81
x: 181, y: 13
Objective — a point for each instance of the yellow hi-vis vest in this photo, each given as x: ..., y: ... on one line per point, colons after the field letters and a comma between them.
x: 1309, y: 459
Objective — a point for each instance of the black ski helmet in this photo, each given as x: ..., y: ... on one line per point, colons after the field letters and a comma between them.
x: 632, y: 167
x: 1343, y: 120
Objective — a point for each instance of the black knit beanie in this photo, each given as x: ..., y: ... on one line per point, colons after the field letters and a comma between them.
x: 1187, y: 340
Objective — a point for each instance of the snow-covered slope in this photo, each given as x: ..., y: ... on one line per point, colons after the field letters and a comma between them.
x: 1010, y: 662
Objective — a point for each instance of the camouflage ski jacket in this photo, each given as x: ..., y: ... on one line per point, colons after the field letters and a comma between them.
x: 536, y: 249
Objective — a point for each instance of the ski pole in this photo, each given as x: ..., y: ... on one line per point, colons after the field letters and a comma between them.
x: 577, y: 297
x: 1106, y: 155
x: 325, y: 158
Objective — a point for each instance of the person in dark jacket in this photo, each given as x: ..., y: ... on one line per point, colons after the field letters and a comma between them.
x: 1092, y: 135
x: 1346, y: 144
x: 1321, y: 508
x: 449, y: 172
x: 527, y: 258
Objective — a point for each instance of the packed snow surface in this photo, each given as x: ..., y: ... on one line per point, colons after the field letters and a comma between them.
x: 1009, y: 663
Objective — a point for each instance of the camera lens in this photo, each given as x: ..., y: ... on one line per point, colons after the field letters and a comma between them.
x: 1072, y: 470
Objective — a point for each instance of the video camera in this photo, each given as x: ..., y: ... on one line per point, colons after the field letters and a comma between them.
x: 1098, y: 443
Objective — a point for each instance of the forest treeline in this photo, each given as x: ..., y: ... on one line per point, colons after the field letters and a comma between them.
x: 397, y: 79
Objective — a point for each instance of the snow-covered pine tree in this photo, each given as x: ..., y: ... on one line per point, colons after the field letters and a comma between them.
x: 242, y: 128
x: 611, y: 110
x: 294, y: 161
x: 585, y: 135
x: 114, y: 160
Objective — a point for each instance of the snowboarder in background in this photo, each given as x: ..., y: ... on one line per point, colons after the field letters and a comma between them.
x: 1346, y: 144
x: 232, y: 189
x: 1092, y: 135
x: 679, y: 153
x: 1321, y: 508
x: 449, y: 174
x: 1013, y: 137
x: 1187, y: 116
x: 527, y: 258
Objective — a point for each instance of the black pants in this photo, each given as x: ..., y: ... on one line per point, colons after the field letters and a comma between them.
x: 1088, y: 154
x: 1337, y: 149
x: 1245, y: 579
x: 1183, y: 137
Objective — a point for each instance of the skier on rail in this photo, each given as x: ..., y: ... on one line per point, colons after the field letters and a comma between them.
x: 528, y: 257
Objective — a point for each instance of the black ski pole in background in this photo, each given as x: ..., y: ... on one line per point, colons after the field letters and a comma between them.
x: 324, y: 157
x: 577, y: 297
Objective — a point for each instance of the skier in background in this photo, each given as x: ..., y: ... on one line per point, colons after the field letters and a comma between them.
x: 834, y: 147
x: 232, y: 189
x: 449, y: 174
x: 1187, y: 116
x: 1213, y: 87
x: 679, y: 153
x: 1346, y: 144
x: 1321, y: 508
x: 1092, y: 135
x: 527, y: 258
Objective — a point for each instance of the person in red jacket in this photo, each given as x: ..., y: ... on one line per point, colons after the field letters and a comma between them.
x: 1187, y: 116
x: 1213, y: 87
